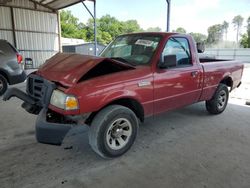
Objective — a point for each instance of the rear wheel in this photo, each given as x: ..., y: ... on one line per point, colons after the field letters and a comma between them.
x: 3, y: 85
x: 219, y: 101
x: 113, y: 131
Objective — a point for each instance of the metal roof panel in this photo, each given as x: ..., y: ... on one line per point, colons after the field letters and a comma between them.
x: 58, y: 4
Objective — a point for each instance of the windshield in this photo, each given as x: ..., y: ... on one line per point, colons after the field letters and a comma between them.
x: 133, y: 49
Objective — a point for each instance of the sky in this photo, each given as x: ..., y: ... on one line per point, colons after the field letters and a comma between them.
x: 192, y: 15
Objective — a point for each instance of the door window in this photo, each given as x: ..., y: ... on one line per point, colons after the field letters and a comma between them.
x: 180, y: 47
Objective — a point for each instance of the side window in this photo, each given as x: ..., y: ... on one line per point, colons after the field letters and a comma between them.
x: 178, y: 46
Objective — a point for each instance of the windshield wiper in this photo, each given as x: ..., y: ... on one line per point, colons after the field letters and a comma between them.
x: 123, y: 60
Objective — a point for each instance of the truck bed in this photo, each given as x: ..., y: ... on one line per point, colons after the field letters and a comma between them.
x: 216, y: 69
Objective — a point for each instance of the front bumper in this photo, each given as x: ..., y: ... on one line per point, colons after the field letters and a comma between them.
x: 46, y: 132
x: 50, y: 133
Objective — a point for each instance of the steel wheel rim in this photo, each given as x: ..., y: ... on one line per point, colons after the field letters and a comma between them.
x: 222, y: 99
x: 119, y: 133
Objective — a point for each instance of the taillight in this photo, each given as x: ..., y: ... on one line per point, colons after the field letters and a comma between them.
x: 19, y: 58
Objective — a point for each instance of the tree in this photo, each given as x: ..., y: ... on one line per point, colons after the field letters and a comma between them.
x: 248, y: 31
x: 237, y: 21
x: 103, y: 37
x: 180, y: 30
x: 131, y: 26
x: 245, y: 38
x: 214, y: 34
x: 198, y: 37
x: 153, y: 29
x: 225, y: 26
x: 244, y: 41
x: 109, y: 27
x: 69, y: 25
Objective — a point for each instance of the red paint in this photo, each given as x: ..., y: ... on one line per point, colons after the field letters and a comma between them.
x: 168, y: 89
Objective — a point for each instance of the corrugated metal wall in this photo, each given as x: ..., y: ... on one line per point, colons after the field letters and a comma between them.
x: 242, y: 54
x: 33, y: 29
x: 5, y: 24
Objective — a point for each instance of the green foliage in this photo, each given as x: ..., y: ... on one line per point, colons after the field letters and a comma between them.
x: 225, y: 26
x: 248, y: 32
x: 131, y: 26
x: 70, y: 26
x: 198, y: 37
x: 108, y: 27
x: 111, y: 25
x: 153, y: 29
x: 245, y: 38
x: 244, y: 41
x: 214, y: 34
x: 180, y: 30
x: 237, y: 21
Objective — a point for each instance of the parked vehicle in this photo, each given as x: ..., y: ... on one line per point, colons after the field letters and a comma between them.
x: 137, y: 76
x: 10, y: 70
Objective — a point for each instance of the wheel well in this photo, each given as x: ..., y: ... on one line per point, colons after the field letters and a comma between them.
x: 132, y: 104
x: 4, y: 75
x: 228, y: 82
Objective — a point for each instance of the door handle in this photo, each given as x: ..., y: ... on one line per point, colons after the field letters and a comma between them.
x: 194, y: 74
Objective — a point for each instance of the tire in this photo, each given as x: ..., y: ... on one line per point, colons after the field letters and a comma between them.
x: 219, y: 101
x: 105, y: 132
x: 3, y: 85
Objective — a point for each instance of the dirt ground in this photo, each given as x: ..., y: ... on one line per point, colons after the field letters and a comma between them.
x: 183, y: 148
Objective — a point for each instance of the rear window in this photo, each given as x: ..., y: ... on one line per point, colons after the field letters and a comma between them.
x: 6, y: 47
x: 13, y: 48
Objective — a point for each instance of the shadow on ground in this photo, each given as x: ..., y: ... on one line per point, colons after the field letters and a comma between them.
x: 183, y: 148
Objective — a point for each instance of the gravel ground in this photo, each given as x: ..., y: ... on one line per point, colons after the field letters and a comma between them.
x: 183, y: 148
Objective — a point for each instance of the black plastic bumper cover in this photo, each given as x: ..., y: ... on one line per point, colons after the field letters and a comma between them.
x: 17, y: 79
x: 50, y: 133
x: 14, y: 92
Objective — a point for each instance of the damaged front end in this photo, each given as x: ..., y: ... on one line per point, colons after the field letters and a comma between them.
x: 58, y: 111
x: 50, y: 130
x: 38, y: 94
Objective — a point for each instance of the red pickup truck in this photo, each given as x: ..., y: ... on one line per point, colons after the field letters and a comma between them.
x: 136, y: 76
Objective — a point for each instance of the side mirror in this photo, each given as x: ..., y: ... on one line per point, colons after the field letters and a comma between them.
x: 200, y: 47
x: 167, y: 61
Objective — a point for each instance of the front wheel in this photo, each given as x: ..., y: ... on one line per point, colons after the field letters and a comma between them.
x: 219, y: 101
x: 113, y: 131
x: 3, y: 85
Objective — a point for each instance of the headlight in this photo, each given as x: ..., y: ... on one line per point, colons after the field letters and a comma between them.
x: 64, y: 101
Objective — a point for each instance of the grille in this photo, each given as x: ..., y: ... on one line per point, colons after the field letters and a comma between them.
x: 40, y: 89
x: 35, y: 88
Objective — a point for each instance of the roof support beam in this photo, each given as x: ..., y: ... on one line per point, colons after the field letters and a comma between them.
x: 168, y: 14
x: 94, y: 18
x: 43, y: 5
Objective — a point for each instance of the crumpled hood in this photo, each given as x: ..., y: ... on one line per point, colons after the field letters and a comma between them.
x: 67, y: 69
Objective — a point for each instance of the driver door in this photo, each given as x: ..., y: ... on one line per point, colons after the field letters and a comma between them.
x: 179, y: 85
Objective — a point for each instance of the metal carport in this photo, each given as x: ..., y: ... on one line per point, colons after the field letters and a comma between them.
x: 33, y: 26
